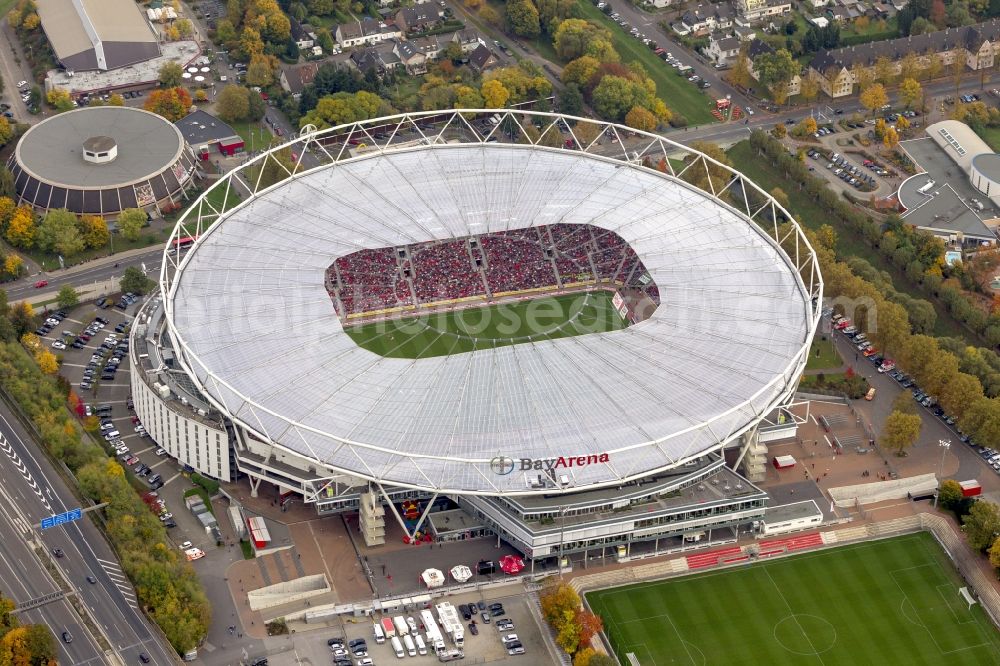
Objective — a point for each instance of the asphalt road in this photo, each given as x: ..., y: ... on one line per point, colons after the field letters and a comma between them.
x: 96, y: 271
x: 32, y: 491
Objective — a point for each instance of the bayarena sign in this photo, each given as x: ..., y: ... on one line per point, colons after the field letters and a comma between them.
x: 503, y: 465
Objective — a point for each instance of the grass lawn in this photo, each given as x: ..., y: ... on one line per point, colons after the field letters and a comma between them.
x: 678, y: 93
x: 254, y: 135
x: 991, y: 135
x: 440, y: 334
x: 887, y: 602
x: 849, y: 244
x: 822, y: 355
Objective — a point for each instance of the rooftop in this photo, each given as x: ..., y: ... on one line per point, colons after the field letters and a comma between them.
x: 201, y: 127
x: 52, y: 150
x: 97, y: 34
x: 262, y: 336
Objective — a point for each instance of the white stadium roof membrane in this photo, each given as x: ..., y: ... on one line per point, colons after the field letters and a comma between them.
x: 261, y: 336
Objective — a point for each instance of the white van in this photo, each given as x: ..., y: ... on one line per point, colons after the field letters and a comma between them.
x: 411, y: 649
x: 421, y: 648
x: 379, y: 634
x: 401, y: 628
x: 397, y: 647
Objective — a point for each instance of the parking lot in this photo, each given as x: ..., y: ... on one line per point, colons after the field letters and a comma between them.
x: 92, y: 342
x: 486, y: 646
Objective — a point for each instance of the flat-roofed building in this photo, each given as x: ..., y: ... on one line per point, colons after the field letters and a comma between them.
x: 97, y: 34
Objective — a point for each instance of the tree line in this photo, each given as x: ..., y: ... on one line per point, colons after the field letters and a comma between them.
x: 166, y: 585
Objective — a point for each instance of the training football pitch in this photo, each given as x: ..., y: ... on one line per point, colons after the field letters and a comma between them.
x: 881, y: 603
x: 443, y: 333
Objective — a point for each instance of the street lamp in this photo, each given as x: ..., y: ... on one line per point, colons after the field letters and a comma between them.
x: 945, y: 444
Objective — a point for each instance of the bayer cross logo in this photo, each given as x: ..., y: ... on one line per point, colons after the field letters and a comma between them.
x: 502, y: 465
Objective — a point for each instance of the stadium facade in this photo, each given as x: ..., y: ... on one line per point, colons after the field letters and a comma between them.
x: 243, y: 366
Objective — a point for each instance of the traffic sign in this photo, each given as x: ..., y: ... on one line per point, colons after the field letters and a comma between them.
x: 61, y: 518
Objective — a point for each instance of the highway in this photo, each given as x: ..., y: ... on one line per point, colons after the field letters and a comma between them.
x: 32, y: 491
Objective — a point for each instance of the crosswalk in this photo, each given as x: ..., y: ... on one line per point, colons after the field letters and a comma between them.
x: 117, y: 577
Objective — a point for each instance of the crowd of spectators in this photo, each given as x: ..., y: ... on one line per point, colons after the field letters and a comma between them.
x: 515, y: 261
x: 443, y: 271
x: 501, y: 262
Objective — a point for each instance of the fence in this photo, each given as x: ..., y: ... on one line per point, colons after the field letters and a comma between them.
x: 967, y: 564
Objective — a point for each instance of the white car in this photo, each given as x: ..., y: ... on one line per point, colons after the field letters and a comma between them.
x: 161, y: 452
x: 185, y: 545
x: 21, y: 84
x: 412, y: 624
x: 58, y: 344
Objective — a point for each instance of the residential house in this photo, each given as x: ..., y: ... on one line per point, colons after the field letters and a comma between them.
x: 419, y: 18
x: 366, y: 31
x: 295, y: 78
x: 381, y: 58
x: 411, y: 58
x: 754, y: 11
x: 758, y: 48
x: 744, y: 34
x: 722, y: 49
x: 819, y: 3
x: 431, y: 47
x: 977, y: 46
x: 703, y: 19
x: 303, y: 38
x: 468, y: 39
x: 482, y: 59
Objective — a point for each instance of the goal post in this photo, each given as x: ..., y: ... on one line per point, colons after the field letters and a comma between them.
x: 967, y: 596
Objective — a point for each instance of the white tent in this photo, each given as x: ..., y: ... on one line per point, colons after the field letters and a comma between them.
x: 461, y: 573
x: 432, y: 578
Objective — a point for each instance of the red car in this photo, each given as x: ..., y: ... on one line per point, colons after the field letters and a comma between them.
x: 41, y: 283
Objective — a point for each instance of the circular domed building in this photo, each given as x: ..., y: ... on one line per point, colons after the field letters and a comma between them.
x: 102, y: 160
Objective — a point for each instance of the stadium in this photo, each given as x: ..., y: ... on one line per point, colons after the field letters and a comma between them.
x: 499, y: 314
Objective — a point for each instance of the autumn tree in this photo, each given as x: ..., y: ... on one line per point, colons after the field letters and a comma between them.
x: 171, y: 103
x: 130, y: 223
x: 809, y: 89
x: 739, y: 75
x: 900, y: 432
x: 47, y: 362
x: 171, y: 74
x: 641, y: 119
x: 779, y: 131
x: 995, y: 553
x: 59, y: 99
x: 580, y: 71
x: 573, y: 37
x: 495, y: 95
x: 116, y: 100
x: 874, y: 97
x: 13, y: 264
x: 910, y: 92
x: 6, y: 131
x: 21, y: 228
x: 703, y: 173
x: 890, y: 138
x: 260, y: 71
x: 94, y: 230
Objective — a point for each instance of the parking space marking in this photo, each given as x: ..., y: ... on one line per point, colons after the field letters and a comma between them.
x: 157, y: 464
x: 171, y: 478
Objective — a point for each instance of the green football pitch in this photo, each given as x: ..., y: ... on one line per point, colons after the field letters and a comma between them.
x: 443, y: 333
x: 881, y: 603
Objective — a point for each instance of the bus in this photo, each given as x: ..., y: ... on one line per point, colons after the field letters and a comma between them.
x: 185, y: 242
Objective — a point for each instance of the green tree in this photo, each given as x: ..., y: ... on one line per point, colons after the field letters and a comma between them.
x: 130, y: 223
x: 776, y: 70
x: 521, y: 17
x: 59, y: 233
x: 233, y: 103
x: 67, y: 297
x: 981, y: 525
x: 135, y: 281
x: 900, y: 431
x: 171, y: 75
x: 949, y: 493
x: 571, y: 100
